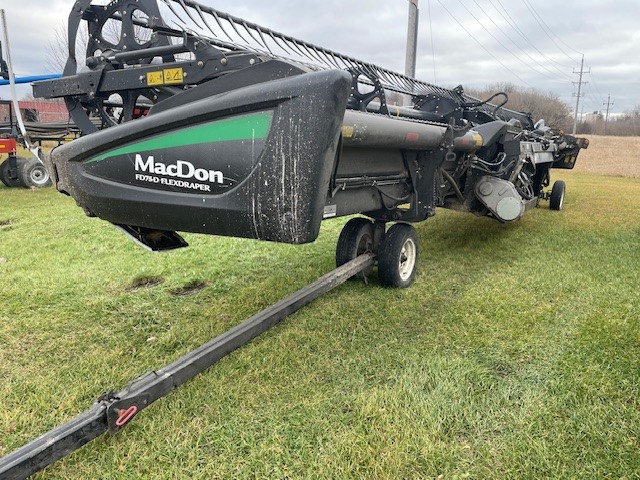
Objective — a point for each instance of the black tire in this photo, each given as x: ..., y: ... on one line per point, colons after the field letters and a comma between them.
x: 355, y: 239
x: 398, y: 256
x: 34, y: 174
x: 556, y: 199
x: 4, y: 173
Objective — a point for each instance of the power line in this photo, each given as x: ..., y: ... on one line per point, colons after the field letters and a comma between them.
x: 433, y: 51
x: 593, y: 80
x: 483, y: 47
x: 546, y: 29
x: 590, y: 100
x: 535, y: 61
x: 511, y: 21
x: 593, y: 100
x: 555, y: 35
x: 495, y: 38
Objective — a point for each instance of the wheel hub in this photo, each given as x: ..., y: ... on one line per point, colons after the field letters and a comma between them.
x: 407, y: 259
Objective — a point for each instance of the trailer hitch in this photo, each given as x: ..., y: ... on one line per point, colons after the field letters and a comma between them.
x: 114, y: 410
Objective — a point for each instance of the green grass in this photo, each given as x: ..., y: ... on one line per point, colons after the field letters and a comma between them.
x: 516, y: 353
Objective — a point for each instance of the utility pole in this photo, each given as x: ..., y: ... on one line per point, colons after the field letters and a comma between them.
x: 412, y: 40
x: 608, y: 103
x: 579, y: 82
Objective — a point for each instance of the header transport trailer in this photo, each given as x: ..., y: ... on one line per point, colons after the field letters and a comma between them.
x: 221, y: 126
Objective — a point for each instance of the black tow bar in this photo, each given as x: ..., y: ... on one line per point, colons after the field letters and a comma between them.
x: 113, y: 411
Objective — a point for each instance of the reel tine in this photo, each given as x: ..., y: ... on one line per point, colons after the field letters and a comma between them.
x: 330, y: 58
x: 264, y: 41
x: 168, y: 4
x: 204, y: 20
x: 294, y: 43
x: 233, y: 25
x: 277, y: 42
x: 246, y: 27
x: 215, y: 15
x: 310, y: 50
x: 186, y: 10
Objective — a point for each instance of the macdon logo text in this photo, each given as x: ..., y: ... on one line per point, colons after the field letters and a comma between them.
x: 181, y: 169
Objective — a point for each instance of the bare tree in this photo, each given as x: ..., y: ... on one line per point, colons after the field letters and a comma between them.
x: 58, y: 48
x: 541, y: 105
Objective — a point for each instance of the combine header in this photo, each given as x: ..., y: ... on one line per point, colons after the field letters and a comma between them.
x: 225, y: 127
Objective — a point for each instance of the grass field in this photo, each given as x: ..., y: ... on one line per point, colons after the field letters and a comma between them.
x: 516, y: 353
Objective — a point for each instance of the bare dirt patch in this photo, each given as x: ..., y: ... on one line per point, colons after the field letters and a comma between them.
x: 611, y: 156
x: 190, y: 288
x: 144, y: 282
x: 6, y: 225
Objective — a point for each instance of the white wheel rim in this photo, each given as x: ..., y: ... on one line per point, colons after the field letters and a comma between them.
x: 39, y: 176
x: 407, y: 260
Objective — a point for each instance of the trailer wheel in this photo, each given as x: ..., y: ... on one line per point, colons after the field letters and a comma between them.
x: 556, y: 199
x: 355, y: 239
x: 4, y: 173
x: 398, y: 256
x: 34, y: 174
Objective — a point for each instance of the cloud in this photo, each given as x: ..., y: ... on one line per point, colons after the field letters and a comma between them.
x: 475, y: 42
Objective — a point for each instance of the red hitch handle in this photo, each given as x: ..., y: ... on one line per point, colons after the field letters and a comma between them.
x: 125, y: 415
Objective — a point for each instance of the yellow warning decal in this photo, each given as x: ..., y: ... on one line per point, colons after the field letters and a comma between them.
x: 347, y: 131
x: 155, y: 78
x: 478, y: 141
x: 173, y: 75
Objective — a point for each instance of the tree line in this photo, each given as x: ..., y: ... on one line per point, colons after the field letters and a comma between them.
x: 541, y: 105
x: 556, y: 113
x: 625, y: 125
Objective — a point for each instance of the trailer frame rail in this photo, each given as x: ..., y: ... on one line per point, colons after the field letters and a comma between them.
x: 114, y: 410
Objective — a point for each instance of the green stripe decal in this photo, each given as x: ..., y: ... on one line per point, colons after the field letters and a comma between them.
x: 244, y: 127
